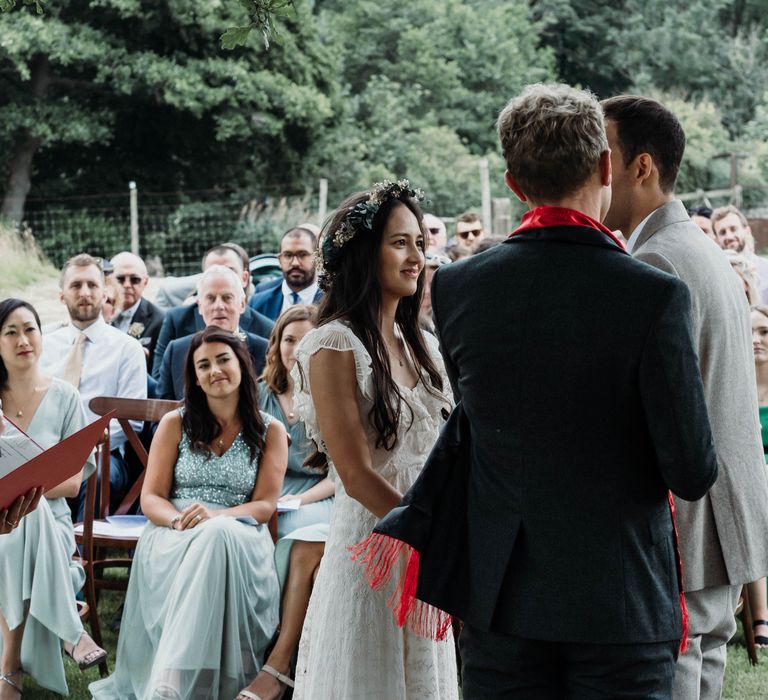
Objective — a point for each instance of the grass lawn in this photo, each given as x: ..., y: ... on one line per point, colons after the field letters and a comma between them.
x: 742, y: 681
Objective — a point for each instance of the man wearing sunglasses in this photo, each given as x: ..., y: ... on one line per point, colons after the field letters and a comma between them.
x: 139, y: 317
x: 298, y: 285
x: 469, y: 231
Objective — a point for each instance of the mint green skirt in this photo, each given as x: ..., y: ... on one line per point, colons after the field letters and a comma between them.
x: 201, y: 607
x: 36, y: 570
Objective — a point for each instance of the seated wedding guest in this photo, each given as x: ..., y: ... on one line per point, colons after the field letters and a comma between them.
x: 96, y: 359
x: 432, y: 262
x: 734, y: 233
x: 186, y: 320
x: 113, y: 299
x: 302, y: 532
x: 202, y: 601
x: 221, y: 301
x: 136, y: 316
x: 38, y: 577
x: 469, y: 232
x: 758, y: 594
x: 298, y: 284
x: 702, y: 217
x: 437, y: 235
x: 747, y: 274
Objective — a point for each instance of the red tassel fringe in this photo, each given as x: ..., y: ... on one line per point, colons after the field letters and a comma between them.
x: 683, y: 606
x: 380, y: 555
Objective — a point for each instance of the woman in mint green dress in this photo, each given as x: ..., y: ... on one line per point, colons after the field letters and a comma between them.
x: 203, y: 596
x: 38, y: 577
x: 302, y: 532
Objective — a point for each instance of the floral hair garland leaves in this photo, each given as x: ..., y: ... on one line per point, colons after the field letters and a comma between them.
x: 359, y: 218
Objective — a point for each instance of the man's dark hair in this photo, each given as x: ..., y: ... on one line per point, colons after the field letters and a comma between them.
x: 647, y: 126
x: 225, y: 248
x: 298, y: 232
x: 706, y: 212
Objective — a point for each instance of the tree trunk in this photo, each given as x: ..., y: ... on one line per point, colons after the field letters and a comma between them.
x: 24, y: 148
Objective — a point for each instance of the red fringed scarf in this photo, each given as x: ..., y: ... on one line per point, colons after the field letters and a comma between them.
x: 379, y: 555
x: 547, y: 217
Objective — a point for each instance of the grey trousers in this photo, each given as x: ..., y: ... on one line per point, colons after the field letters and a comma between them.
x: 699, y: 672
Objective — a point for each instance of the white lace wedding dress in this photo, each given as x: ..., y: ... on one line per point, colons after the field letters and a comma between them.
x: 351, y: 648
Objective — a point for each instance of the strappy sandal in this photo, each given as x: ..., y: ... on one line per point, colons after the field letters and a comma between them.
x: 6, y: 677
x: 285, y: 680
x: 92, y: 658
x: 760, y: 640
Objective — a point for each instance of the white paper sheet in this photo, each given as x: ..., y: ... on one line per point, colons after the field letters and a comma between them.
x: 288, y: 506
x: 118, y: 526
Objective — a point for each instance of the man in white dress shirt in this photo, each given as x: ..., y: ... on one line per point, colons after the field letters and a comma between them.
x: 98, y: 359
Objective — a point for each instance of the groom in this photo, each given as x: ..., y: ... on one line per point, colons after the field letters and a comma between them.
x: 576, y: 367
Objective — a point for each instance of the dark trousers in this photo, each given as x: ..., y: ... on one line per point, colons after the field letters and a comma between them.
x: 496, y: 667
x: 122, y: 475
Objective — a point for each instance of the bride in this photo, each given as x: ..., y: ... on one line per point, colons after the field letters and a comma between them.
x: 371, y: 389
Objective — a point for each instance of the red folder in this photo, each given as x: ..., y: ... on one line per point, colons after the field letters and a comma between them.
x: 54, y: 465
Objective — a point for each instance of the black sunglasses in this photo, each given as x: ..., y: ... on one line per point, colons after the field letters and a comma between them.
x: 135, y: 279
x: 465, y: 234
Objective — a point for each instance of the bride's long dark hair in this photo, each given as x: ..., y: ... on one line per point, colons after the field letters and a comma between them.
x: 354, y: 296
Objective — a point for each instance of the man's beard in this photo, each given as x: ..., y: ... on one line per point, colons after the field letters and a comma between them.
x: 84, y: 313
x: 299, y: 279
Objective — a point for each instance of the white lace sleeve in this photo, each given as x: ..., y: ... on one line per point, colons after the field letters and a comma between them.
x: 331, y: 336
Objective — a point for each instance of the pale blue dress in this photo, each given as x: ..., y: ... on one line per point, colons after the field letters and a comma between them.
x: 202, y: 604
x: 36, y: 558
x: 310, y: 523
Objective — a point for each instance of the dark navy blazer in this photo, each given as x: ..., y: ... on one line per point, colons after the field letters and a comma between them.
x: 269, y: 301
x: 186, y: 320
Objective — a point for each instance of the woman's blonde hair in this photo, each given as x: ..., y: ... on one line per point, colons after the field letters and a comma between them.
x: 744, y: 268
x: 275, y: 373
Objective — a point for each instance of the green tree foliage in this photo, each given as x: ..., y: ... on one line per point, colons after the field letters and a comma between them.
x: 101, y: 92
x: 424, y: 82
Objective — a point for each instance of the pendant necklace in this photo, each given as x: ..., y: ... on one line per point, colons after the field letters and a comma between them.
x: 19, y: 411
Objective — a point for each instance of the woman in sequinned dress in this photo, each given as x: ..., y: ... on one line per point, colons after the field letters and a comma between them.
x: 202, y: 602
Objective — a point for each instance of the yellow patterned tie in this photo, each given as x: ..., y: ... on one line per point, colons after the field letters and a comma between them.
x: 74, y: 364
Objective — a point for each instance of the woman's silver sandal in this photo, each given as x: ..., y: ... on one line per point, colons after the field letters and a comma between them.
x: 285, y: 680
x: 7, y: 678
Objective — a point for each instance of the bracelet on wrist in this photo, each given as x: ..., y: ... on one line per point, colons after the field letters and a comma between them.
x: 173, y: 522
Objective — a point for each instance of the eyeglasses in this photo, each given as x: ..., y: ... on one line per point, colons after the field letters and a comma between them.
x: 109, y: 301
x: 135, y: 279
x: 465, y: 234
x: 302, y: 256
x: 434, y: 231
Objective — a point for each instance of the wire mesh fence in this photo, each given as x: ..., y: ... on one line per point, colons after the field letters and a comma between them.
x: 173, y: 235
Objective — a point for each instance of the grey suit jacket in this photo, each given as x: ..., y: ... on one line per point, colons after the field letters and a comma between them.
x: 722, y: 536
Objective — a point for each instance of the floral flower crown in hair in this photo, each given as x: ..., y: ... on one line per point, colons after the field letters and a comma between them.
x: 359, y: 218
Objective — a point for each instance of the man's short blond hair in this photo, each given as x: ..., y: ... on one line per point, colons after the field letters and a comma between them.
x: 552, y: 137
x: 721, y: 212
x: 81, y: 260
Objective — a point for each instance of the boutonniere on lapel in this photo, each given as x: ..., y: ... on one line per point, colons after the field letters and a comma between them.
x: 135, y: 330
x: 240, y: 335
